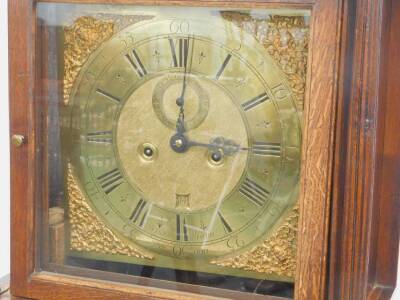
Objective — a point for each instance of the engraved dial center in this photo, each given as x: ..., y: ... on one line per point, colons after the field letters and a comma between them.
x: 187, y: 178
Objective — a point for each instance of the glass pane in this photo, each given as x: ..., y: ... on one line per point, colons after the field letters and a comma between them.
x: 173, y: 140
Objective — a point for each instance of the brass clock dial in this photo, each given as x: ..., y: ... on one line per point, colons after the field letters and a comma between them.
x: 185, y: 138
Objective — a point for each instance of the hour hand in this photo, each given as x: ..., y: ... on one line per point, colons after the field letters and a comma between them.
x: 180, y: 125
x: 219, y: 144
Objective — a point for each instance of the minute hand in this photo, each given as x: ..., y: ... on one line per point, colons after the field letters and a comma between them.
x: 180, y: 124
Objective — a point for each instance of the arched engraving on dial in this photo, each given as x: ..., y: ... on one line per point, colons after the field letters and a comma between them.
x: 267, y: 149
x: 254, y: 192
x: 223, y: 66
x: 110, y: 180
x: 136, y: 63
x: 101, y: 137
x: 181, y: 229
x: 108, y: 96
x: 140, y: 212
x: 179, y: 51
x: 255, y: 101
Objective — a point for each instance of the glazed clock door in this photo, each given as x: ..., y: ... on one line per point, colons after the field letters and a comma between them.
x: 174, y: 145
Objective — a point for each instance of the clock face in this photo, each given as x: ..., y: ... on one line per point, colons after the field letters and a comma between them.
x: 185, y: 137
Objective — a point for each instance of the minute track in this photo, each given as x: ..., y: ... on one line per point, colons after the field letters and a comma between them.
x: 229, y: 127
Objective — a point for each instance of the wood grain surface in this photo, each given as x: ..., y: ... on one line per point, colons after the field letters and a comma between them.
x: 348, y: 234
x: 219, y: 3
x: 320, y: 109
x: 365, y: 228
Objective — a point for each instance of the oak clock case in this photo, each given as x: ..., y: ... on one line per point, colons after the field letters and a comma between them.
x: 339, y: 240
x: 180, y: 142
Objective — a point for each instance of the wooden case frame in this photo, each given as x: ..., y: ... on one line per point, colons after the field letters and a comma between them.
x: 348, y: 239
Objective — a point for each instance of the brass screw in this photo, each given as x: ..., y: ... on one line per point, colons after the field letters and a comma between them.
x: 17, y: 140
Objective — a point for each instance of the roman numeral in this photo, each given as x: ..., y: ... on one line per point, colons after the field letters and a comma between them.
x: 255, y: 101
x: 227, y: 228
x: 224, y: 64
x: 108, y: 96
x: 181, y: 228
x: 180, y: 52
x: 101, y: 137
x: 267, y: 149
x: 110, y: 181
x: 139, y: 214
x: 136, y: 63
x: 254, y: 192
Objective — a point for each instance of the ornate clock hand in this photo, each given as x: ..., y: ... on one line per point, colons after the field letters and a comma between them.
x: 180, y: 124
x: 181, y: 100
x: 180, y: 143
x: 219, y: 144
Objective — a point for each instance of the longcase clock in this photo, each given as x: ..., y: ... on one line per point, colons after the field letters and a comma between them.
x: 204, y: 149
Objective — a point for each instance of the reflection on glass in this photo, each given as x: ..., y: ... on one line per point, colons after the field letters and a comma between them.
x: 174, y: 138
